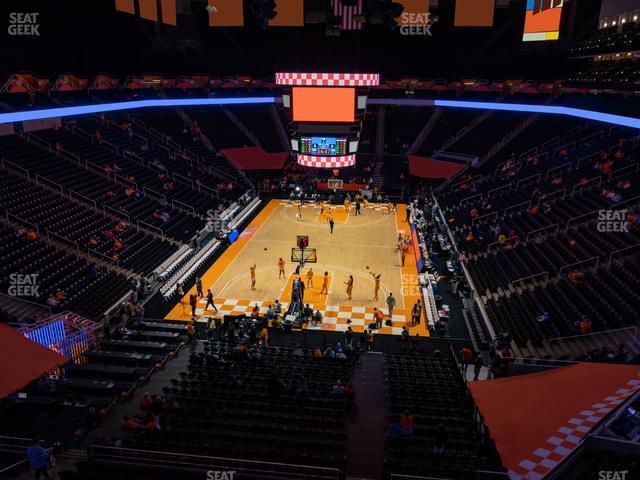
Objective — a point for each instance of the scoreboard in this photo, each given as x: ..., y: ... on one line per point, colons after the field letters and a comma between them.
x: 326, y: 111
x: 323, y: 146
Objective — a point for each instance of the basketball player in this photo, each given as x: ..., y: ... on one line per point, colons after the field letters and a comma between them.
x: 347, y: 205
x: 299, y: 214
x: 310, y: 278
x: 325, y: 284
x: 281, y: 268
x: 331, y: 224
x: 349, y: 284
x: 321, y: 208
x: 253, y: 276
x: 376, y: 278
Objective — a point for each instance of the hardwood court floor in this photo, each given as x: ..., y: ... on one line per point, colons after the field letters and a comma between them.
x: 358, y: 242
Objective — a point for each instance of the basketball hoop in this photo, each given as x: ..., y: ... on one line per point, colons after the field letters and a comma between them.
x: 335, y: 184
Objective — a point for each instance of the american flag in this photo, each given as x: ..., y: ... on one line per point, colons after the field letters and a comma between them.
x: 348, y: 14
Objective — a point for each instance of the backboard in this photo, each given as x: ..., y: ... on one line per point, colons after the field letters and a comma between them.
x: 307, y: 255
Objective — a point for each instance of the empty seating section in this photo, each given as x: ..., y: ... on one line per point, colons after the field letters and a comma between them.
x: 95, y: 185
x: 402, y: 126
x: 450, y: 123
x: 86, y: 291
x: 608, y: 297
x: 258, y: 120
x: 545, y: 208
x: 129, y: 168
x: 486, y: 134
x: 167, y: 121
x: 87, y: 388
x: 160, y: 160
x: 51, y: 211
x: 231, y: 408
x: 432, y: 391
x: 217, y: 127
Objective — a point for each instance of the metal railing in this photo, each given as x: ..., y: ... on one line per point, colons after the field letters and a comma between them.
x: 202, y: 462
x: 545, y: 275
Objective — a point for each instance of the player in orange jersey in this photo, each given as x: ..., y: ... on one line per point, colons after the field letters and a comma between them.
x: 252, y: 268
x: 325, y: 284
x: 281, y: 268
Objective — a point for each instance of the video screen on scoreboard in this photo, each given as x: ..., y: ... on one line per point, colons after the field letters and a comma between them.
x: 324, y: 104
x: 542, y: 20
x: 328, y: 146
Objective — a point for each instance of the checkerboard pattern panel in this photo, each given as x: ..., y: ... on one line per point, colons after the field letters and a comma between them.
x: 340, y: 161
x: 328, y: 79
x: 566, y: 438
x: 336, y: 318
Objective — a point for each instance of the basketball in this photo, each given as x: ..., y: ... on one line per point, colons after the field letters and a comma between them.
x: 265, y: 248
x: 367, y: 267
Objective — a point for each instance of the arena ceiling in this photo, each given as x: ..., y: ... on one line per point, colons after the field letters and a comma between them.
x: 90, y: 37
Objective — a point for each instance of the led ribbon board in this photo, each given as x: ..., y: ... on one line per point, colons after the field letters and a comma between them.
x: 42, y: 114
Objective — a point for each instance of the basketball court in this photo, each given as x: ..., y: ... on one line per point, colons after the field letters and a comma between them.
x: 359, y: 245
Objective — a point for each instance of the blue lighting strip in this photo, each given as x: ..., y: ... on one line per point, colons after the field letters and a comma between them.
x: 185, y: 102
x: 110, y: 107
x: 552, y: 109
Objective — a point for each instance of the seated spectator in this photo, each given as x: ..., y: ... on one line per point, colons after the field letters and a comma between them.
x: 146, y: 401
x: 543, y: 318
x: 406, y: 424
x: 129, y: 424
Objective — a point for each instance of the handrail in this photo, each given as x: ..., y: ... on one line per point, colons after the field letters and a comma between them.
x: 15, y: 465
x: 183, y: 459
x: 588, y: 182
x: 83, y: 197
x: 47, y: 307
x: 491, y: 214
x: 539, y: 175
x: 557, y: 168
x: 116, y: 212
x: 518, y: 280
x: 583, y: 335
x: 39, y: 141
x: 580, y: 216
x: 51, y: 183
x: 154, y: 193
x: 62, y: 239
x: 184, y: 206
x: 635, y: 165
x: 22, y: 220
x: 563, y: 191
x: 469, y: 198
x: 17, y: 167
x: 510, y: 185
x: 528, y: 203
x: 149, y: 226
x: 615, y: 252
x: 557, y: 225
x: 586, y: 260
x: 92, y: 251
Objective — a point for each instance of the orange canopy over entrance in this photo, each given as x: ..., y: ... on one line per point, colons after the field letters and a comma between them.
x: 537, y: 419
